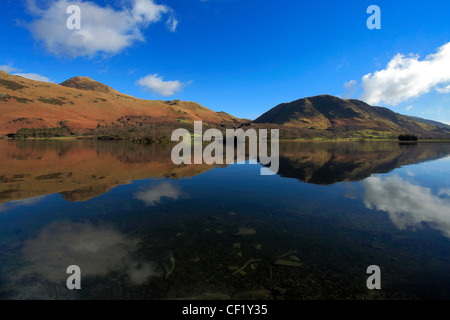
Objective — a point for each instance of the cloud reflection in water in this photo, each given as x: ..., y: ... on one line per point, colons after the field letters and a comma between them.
x: 408, y: 205
x: 97, y: 250
x: 156, y: 193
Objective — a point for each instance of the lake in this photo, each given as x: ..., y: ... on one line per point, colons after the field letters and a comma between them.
x: 140, y: 227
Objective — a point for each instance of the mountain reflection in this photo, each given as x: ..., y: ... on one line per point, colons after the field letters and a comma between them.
x: 81, y: 170
x: 328, y: 163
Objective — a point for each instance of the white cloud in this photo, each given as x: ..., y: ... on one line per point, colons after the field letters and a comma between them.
x: 147, y: 11
x: 407, y: 77
x: 103, y: 29
x: 172, y: 24
x: 8, y: 68
x: 156, y: 193
x: 33, y: 76
x: 350, y: 84
x: 408, y: 108
x: 444, y: 89
x: 351, y: 88
x: 408, y: 205
x: 156, y: 84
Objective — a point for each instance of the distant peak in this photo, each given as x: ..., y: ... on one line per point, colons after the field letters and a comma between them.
x: 86, y: 83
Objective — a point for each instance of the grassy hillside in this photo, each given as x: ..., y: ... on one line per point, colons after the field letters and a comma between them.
x: 328, y: 116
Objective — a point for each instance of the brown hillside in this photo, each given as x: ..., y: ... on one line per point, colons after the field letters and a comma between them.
x: 84, y: 103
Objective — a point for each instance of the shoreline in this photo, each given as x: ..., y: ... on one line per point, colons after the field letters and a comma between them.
x: 92, y: 138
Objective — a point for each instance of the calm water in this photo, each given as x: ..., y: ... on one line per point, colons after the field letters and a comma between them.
x: 140, y: 227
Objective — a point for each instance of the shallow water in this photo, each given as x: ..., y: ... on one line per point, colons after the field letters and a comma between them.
x: 140, y: 227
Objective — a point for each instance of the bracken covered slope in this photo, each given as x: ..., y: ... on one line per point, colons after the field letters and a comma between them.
x: 82, y: 103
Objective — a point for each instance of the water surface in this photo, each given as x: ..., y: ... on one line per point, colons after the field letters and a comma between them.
x: 140, y: 227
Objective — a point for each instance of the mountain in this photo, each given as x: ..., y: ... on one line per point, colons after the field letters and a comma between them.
x: 82, y: 103
x: 331, y: 115
x: 436, y: 123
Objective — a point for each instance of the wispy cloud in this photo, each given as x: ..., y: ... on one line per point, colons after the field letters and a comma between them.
x: 351, y: 88
x: 9, y: 68
x: 156, y: 84
x: 103, y: 29
x: 15, y: 71
x: 33, y: 76
x: 407, y: 77
x: 443, y: 89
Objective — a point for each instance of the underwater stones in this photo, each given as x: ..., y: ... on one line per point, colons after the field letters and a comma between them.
x: 245, y: 265
x: 243, y: 231
x: 288, y: 263
x: 169, y: 269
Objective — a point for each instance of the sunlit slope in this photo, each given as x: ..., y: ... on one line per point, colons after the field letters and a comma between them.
x: 83, y: 103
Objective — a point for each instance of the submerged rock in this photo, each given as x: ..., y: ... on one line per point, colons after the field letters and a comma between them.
x: 245, y: 231
x: 288, y: 263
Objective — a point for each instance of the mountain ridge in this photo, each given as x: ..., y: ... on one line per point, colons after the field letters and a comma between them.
x: 83, y: 104
x: 347, y: 118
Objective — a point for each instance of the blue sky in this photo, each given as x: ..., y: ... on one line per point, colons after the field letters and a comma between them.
x: 240, y: 56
